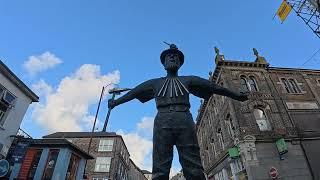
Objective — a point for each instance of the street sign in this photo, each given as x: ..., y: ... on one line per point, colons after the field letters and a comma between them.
x: 234, y: 152
x: 284, y: 10
x: 281, y: 146
x: 4, y: 167
x: 273, y: 172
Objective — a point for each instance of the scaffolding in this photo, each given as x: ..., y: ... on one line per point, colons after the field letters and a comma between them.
x: 309, y: 12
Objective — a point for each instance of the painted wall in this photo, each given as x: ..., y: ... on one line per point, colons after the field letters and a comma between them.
x: 15, y: 115
x: 61, y: 166
x: 293, y: 167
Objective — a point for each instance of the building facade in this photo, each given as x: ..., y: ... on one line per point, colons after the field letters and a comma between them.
x: 15, y: 98
x: 274, y: 133
x: 147, y: 174
x: 111, y: 157
x: 135, y: 173
x: 46, y: 159
x: 178, y: 176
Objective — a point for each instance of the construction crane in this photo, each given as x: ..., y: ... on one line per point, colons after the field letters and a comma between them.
x: 309, y: 12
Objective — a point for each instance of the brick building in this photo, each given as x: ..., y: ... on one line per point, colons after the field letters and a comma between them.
x: 135, y: 173
x: 278, y: 127
x: 112, y: 159
x: 147, y: 174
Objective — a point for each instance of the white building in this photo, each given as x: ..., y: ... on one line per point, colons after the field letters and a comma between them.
x: 15, y: 98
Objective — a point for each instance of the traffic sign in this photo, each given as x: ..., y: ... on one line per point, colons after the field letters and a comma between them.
x: 273, y: 172
x: 4, y: 167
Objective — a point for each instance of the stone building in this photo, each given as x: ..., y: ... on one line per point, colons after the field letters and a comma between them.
x: 135, y: 173
x: 111, y: 157
x: 147, y: 174
x: 276, y: 132
x: 178, y: 176
x: 15, y: 98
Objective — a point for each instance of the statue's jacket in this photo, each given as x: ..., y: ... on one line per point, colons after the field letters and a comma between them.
x: 172, y: 95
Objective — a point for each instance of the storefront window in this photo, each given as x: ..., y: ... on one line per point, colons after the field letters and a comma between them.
x: 73, y: 167
x: 34, y: 164
x: 51, y: 163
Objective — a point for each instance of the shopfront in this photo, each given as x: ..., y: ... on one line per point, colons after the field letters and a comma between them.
x: 48, y: 159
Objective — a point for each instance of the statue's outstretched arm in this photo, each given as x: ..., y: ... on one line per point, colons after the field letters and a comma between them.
x: 205, y: 89
x: 142, y: 92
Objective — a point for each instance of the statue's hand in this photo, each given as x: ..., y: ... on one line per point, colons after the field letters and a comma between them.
x: 243, y: 96
x: 112, y: 103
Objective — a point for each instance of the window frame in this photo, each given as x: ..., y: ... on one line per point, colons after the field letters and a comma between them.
x: 105, y: 147
x: 294, y: 86
x: 244, y: 83
x: 99, y: 161
x: 7, y: 106
x: 266, y: 120
x: 254, y: 84
x: 291, y: 85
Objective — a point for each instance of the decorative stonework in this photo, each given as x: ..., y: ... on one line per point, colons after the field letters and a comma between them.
x: 247, y: 149
x: 302, y: 105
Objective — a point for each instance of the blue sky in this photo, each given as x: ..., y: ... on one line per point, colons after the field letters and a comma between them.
x: 126, y: 36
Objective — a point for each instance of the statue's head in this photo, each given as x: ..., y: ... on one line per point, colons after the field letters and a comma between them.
x: 172, y: 59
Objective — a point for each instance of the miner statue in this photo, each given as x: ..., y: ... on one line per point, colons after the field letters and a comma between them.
x: 173, y: 124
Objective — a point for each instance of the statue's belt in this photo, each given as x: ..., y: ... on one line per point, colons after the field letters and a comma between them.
x: 174, y: 108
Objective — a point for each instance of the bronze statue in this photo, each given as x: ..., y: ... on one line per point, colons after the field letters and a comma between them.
x: 173, y: 124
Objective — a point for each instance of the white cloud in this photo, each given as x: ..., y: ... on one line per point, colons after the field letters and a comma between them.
x: 145, y: 127
x: 66, y: 107
x: 42, y: 62
x: 139, y: 148
x: 174, y: 171
x: 146, y: 124
x: 139, y: 144
x: 42, y: 88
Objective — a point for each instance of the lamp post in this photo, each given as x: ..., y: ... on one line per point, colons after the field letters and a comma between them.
x: 114, y: 92
x: 95, y: 118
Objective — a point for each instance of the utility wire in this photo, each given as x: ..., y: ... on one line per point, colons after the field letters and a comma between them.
x: 314, y: 54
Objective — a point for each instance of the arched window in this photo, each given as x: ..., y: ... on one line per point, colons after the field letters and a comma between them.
x: 252, y: 84
x: 294, y: 86
x: 286, y: 85
x: 243, y: 84
x: 318, y: 81
x: 261, y: 120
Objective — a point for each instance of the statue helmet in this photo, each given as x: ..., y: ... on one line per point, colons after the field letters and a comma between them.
x: 173, y: 49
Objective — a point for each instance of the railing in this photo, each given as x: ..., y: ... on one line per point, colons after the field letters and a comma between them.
x: 23, y: 134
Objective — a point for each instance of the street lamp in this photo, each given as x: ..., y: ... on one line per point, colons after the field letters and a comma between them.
x: 114, y: 92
